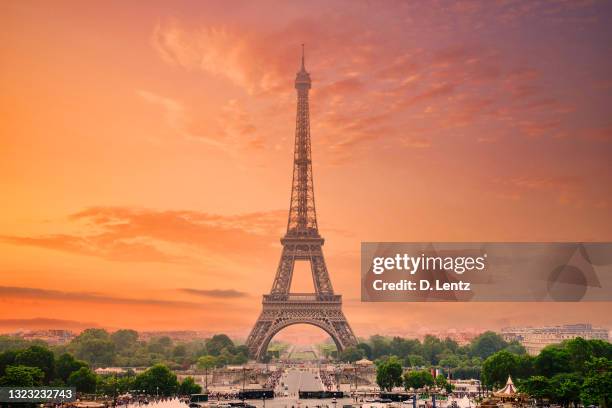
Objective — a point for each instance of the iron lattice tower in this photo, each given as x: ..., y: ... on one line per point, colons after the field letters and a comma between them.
x: 281, y: 308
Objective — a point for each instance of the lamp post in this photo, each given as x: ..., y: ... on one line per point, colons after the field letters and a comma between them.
x: 243, y: 381
x: 355, y: 380
x: 115, y: 391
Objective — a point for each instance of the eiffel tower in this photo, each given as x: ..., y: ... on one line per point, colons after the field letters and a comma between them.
x: 281, y: 308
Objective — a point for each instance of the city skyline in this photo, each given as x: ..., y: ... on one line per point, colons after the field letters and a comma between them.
x: 532, y: 338
x: 146, y: 152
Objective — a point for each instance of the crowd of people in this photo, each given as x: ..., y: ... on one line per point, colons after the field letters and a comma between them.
x: 273, y: 380
x: 125, y: 400
x: 222, y: 395
x: 142, y: 400
x: 329, y: 380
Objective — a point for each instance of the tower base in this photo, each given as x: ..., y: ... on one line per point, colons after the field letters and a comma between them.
x: 281, y: 311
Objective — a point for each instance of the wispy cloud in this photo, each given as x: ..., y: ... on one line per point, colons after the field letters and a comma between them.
x: 215, y: 293
x: 90, y: 297
x: 179, y: 121
x: 141, y: 235
x: 218, y: 50
x: 44, y: 323
x: 566, y: 189
x: 363, y: 92
x: 124, y: 249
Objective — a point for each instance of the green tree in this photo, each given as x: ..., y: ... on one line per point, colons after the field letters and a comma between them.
x: 487, y: 344
x: 94, y: 346
x: 206, y: 362
x: 402, y: 347
x: 525, y: 366
x: 601, y: 348
x: 497, y: 367
x: 597, y: 390
x: 536, y: 386
x: 217, y: 343
x: 389, y: 373
x: 476, y: 361
x: 224, y: 358
x: 367, y: 350
x: 441, y: 381
x: 239, y: 359
x: 22, y: 376
x: 565, y: 388
x: 124, y: 339
x: 156, y: 379
x: 415, y: 360
x: 450, y: 361
x: 66, y: 364
x: 432, y: 349
x: 7, y: 358
x: 17, y: 343
x: 351, y: 354
x: 597, y: 386
x: 243, y: 349
x: 418, y: 379
x: 97, y: 352
x: 451, y: 345
x: 580, y: 351
x: 37, y: 356
x: 553, y: 359
x: 380, y: 346
x: 160, y: 345
x: 92, y: 334
x: 188, y: 386
x: 466, y: 372
x: 516, y: 348
x: 83, y: 379
x: 114, y: 385
x: 179, y: 350
x: 449, y: 387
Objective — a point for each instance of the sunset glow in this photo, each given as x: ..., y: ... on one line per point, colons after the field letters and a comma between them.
x: 145, y: 151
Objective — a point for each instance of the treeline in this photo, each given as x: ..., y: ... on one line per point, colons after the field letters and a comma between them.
x: 99, y: 348
x: 463, y: 361
x: 37, y: 365
x: 390, y: 374
x: 574, y: 371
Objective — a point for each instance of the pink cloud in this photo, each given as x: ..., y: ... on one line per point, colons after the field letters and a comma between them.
x: 138, y: 235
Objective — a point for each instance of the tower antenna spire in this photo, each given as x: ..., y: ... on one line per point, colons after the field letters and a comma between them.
x: 303, y: 68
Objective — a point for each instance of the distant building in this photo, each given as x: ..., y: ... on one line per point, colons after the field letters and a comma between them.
x: 466, y: 388
x: 462, y: 337
x: 175, y: 335
x: 110, y: 370
x: 50, y: 336
x: 534, y: 339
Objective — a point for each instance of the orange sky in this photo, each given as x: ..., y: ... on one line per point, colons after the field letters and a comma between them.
x: 145, y: 152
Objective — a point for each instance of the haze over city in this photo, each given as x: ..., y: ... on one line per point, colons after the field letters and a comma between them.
x: 146, y: 152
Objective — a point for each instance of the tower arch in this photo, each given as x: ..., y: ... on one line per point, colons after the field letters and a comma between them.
x: 261, y: 353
